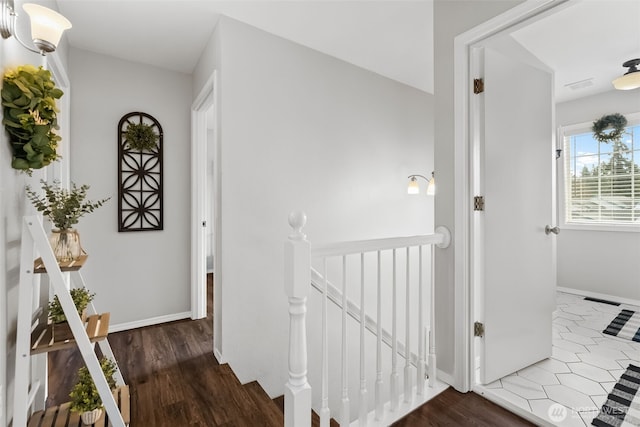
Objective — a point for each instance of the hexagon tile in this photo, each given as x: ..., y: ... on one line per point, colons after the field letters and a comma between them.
x: 569, y: 388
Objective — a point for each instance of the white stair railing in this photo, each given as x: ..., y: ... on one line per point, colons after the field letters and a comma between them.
x: 298, y: 279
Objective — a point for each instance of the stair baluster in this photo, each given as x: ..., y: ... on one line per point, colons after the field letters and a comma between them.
x: 344, y: 408
x: 362, y: 416
x: 408, y: 383
x: 395, y: 390
x: 297, y: 397
x: 379, y: 383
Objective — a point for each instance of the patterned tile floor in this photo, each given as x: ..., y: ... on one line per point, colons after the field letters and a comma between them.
x: 584, y: 366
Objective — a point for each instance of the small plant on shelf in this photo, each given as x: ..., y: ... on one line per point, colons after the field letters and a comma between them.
x: 84, y: 395
x: 81, y: 298
x: 64, y: 208
x: 140, y: 137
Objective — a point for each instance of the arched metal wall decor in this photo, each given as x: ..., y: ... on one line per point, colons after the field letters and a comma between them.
x: 140, y: 175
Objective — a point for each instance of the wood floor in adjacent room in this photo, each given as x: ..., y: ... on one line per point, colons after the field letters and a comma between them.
x: 175, y: 381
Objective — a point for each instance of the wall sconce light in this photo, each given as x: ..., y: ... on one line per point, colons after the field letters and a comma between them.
x: 630, y: 79
x: 414, y: 188
x: 47, y: 26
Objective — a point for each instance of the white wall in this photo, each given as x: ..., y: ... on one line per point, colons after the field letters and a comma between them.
x: 301, y: 130
x: 140, y: 277
x: 603, y: 262
x: 451, y: 18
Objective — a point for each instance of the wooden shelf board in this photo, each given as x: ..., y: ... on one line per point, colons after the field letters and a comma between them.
x: 61, y: 416
x: 39, y: 268
x: 96, y: 326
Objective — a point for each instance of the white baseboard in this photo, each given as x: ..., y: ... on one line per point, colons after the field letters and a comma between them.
x: 218, y: 356
x: 598, y: 295
x: 149, y: 322
x: 445, y: 378
x: 403, y: 407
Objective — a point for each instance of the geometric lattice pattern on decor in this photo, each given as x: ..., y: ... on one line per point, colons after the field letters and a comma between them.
x: 140, y: 176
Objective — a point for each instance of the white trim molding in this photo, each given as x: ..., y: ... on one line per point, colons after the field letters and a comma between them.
x: 149, y: 322
x: 201, y: 104
x: 462, y: 177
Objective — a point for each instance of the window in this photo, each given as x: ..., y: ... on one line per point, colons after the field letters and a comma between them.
x: 602, y: 180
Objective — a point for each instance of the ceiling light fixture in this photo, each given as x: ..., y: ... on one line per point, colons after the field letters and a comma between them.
x: 630, y: 79
x: 47, y: 26
x: 414, y: 188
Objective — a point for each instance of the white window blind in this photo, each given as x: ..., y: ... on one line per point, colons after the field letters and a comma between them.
x: 602, y: 180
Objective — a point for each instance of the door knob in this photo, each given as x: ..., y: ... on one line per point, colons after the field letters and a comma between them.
x: 549, y: 230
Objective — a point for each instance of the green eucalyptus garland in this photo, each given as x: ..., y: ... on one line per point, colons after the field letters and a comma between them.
x: 141, y: 137
x: 609, y: 128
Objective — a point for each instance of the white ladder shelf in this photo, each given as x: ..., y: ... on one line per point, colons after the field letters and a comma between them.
x: 33, y: 338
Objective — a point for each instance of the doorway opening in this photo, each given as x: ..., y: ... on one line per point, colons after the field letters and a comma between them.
x: 570, y: 386
x: 205, y: 208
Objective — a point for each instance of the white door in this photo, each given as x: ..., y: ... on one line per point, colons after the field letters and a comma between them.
x: 514, y: 256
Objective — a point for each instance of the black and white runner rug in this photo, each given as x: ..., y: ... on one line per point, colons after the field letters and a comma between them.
x: 622, y: 408
x: 625, y: 325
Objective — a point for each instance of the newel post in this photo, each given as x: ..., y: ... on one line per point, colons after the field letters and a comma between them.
x: 297, y: 281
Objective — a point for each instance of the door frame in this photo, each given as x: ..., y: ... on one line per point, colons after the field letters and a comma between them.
x: 206, y: 99
x: 464, y: 113
x: 61, y: 170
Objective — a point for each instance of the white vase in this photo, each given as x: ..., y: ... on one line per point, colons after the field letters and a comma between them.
x: 65, y: 244
x: 90, y: 417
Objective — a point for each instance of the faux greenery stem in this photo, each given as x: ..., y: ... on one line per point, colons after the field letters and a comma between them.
x: 63, y: 207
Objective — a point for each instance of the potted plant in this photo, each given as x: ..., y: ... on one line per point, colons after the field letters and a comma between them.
x: 81, y: 298
x: 85, y: 398
x: 30, y: 116
x: 140, y: 137
x: 64, y: 208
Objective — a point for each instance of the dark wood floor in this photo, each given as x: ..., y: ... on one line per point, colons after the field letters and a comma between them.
x: 451, y: 408
x: 175, y: 381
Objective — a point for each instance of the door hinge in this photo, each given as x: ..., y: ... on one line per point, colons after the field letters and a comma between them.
x: 478, y: 203
x: 478, y: 86
x: 478, y: 329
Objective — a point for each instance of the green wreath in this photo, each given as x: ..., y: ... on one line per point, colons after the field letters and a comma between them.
x: 616, y: 122
x: 140, y: 137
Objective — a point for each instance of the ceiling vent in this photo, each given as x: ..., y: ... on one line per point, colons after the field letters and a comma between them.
x: 581, y: 84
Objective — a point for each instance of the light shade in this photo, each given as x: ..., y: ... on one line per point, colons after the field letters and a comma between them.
x: 413, y: 187
x: 431, y: 187
x: 631, y: 79
x: 47, y: 26
x: 628, y: 81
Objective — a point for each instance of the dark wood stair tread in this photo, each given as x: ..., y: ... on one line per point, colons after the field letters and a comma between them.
x: 269, y: 410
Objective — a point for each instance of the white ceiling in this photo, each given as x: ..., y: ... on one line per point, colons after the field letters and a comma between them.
x: 391, y: 38
x: 585, y: 42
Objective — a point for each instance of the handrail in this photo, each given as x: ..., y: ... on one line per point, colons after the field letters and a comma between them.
x: 335, y: 296
x: 355, y: 247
